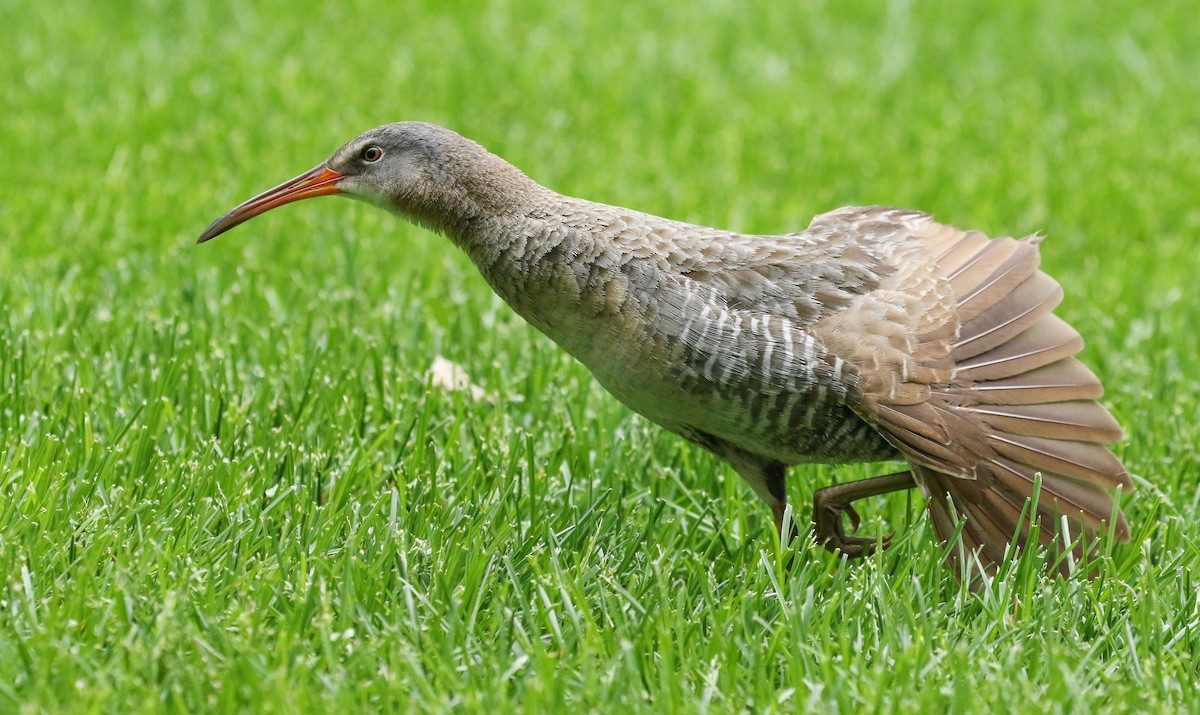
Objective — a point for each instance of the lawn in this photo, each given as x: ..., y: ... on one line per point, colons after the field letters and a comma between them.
x: 228, y: 482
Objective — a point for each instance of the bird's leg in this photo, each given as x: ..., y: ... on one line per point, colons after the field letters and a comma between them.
x: 767, y: 478
x: 831, y: 503
x: 776, y: 486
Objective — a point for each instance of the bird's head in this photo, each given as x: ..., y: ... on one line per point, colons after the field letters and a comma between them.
x: 424, y: 172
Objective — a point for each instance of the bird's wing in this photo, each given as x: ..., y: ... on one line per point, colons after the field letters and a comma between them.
x: 964, y: 368
x: 799, y: 277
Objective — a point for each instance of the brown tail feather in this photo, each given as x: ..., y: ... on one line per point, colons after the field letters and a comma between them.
x: 1085, y: 461
x: 984, y: 264
x: 1029, y: 302
x: 1082, y: 420
x: 957, y: 247
x: 957, y: 508
x: 1019, y: 411
x: 1061, y: 381
x: 1046, y: 341
x: 991, y: 523
x: 1013, y: 272
x: 1066, y: 495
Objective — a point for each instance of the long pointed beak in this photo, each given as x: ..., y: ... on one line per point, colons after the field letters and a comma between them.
x: 319, y: 181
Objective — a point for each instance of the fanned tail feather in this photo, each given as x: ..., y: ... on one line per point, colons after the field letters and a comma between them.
x: 1020, y: 410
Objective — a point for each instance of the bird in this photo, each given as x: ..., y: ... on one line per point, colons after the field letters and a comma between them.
x: 876, y: 334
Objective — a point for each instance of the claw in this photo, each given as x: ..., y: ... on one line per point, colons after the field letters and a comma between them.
x: 855, y: 519
x: 831, y: 503
x: 830, y: 532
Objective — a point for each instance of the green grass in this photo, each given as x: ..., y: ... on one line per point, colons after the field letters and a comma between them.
x: 226, y: 483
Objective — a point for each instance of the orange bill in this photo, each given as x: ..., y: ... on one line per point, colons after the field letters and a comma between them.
x: 320, y: 181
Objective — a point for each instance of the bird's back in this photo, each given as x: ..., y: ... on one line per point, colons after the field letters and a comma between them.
x: 709, y: 331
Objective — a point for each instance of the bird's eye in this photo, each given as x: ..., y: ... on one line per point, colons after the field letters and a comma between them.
x: 372, y: 154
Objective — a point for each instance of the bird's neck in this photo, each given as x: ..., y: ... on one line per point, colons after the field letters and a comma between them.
x: 530, y: 255
x: 471, y: 192
x: 519, y: 234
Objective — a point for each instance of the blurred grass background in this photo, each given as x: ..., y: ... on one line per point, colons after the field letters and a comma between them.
x: 226, y: 483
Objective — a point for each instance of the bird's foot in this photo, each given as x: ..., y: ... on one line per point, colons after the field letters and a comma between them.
x: 829, y: 529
